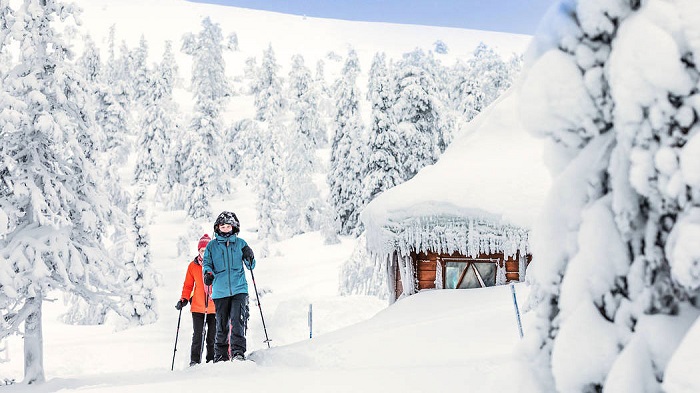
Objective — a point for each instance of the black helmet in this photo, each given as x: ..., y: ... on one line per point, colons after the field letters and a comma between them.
x: 227, y: 218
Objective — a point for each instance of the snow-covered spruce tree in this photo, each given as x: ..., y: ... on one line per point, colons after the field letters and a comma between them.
x: 417, y: 113
x: 300, y: 194
x: 267, y: 90
x: 169, y: 70
x: 196, y: 176
x: 492, y: 73
x: 477, y: 82
x: 613, y: 85
x: 362, y: 275
x: 121, y: 77
x: 90, y: 67
x: 325, y: 104
x: 211, y: 89
x: 139, y: 277
x: 440, y: 47
x: 326, y: 108
x: 10, y: 214
x: 111, y: 61
x: 269, y: 184
x: 113, y: 121
x: 348, y: 161
x: 140, y: 75
x: 54, y: 236
x: 90, y: 63
x: 6, y: 20
x: 386, y: 147
x: 466, y: 95
x: 130, y: 245
x: 157, y: 123
x: 303, y: 102
x: 272, y: 162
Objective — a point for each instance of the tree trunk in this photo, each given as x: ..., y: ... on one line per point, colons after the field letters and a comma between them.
x: 34, y: 344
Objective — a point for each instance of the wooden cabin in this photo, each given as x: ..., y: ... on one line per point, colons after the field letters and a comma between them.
x: 463, y: 222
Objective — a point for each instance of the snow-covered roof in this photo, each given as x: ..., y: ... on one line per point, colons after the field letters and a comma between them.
x: 491, y: 178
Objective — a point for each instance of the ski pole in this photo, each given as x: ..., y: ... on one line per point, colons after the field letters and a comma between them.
x: 207, y: 293
x: 255, y: 287
x: 177, y: 333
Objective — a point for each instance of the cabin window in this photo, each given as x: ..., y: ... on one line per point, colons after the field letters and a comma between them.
x: 469, y: 273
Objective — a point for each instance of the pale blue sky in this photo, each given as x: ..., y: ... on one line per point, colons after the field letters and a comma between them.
x: 513, y: 16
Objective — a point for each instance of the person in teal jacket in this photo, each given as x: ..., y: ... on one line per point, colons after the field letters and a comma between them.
x: 223, y: 263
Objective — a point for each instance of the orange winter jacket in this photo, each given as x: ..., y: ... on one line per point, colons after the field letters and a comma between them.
x: 193, y: 289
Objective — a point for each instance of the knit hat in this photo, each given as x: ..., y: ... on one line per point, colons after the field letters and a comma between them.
x: 203, y: 241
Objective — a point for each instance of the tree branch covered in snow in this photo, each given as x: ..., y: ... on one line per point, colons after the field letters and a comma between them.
x: 615, y: 277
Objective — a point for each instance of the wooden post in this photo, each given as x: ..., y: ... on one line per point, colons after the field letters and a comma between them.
x: 517, y: 311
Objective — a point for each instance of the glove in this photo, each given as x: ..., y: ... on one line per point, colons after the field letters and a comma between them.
x: 181, y: 303
x: 248, y: 254
x: 208, y: 278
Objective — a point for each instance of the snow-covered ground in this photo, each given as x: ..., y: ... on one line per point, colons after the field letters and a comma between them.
x: 433, y: 341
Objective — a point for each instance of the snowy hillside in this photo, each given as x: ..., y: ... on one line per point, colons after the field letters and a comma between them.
x: 313, y: 38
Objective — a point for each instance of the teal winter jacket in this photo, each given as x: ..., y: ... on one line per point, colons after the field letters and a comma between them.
x: 224, y: 258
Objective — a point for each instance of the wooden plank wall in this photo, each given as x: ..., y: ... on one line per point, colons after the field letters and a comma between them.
x: 426, y: 263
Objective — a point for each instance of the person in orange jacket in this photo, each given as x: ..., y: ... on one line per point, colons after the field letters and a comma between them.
x: 201, y: 305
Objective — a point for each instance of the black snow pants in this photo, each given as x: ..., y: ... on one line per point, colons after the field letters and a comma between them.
x: 231, y: 323
x: 198, y: 327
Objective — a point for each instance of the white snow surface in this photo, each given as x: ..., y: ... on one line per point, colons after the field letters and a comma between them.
x: 418, y: 344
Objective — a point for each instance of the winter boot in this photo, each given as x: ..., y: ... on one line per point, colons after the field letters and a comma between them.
x: 238, y: 356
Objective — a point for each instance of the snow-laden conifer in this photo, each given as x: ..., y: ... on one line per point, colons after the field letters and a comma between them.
x: 303, y: 102
x: 477, y: 82
x: 56, y: 240
x: 157, y: 122
x: 139, y: 278
x: 298, y: 159
x: 348, y: 166
x: 615, y: 254
x: 417, y: 111
x: 269, y: 100
x: 387, y: 151
x: 140, y: 71
x: 211, y: 89
x: 269, y: 185
x: 492, y: 73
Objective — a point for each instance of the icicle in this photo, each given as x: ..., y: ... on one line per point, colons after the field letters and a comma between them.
x: 438, y: 274
x: 522, y: 266
x: 408, y: 276
x: 500, y: 272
